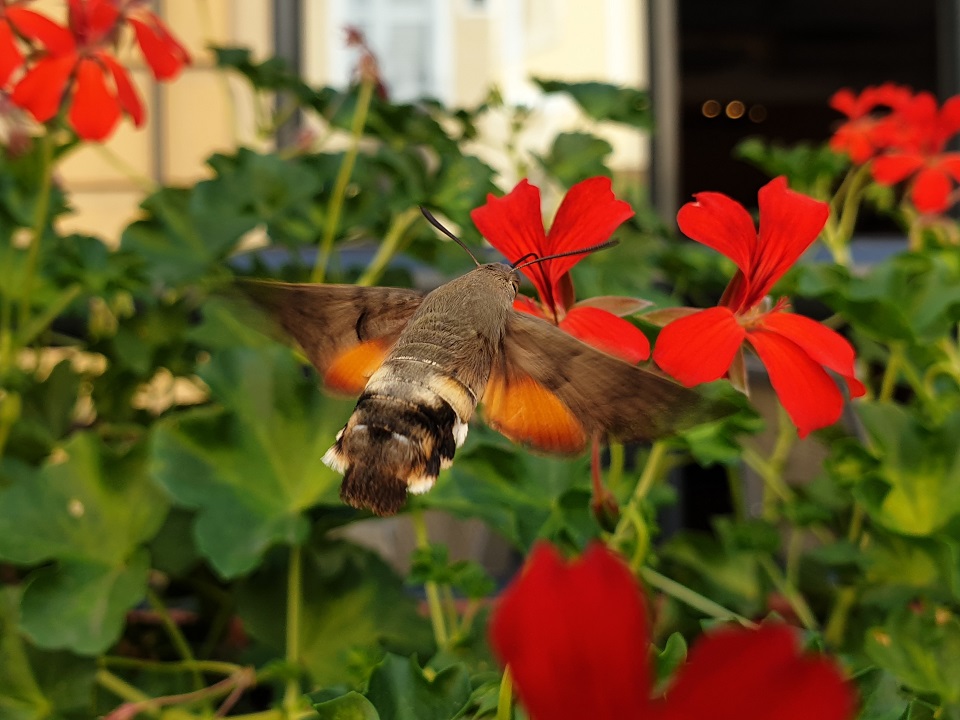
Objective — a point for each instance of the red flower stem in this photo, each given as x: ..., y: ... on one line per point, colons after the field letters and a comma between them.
x: 176, y: 636
x: 389, y: 246
x: 632, y: 516
x: 889, y: 382
x: 771, y: 470
x: 505, y: 696
x: 335, y: 206
x: 790, y: 592
x: 39, y: 225
x: 690, y: 597
x: 434, y: 604
x: 293, y: 691
x: 217, y: 667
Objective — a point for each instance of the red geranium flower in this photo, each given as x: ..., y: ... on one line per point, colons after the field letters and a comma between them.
x: 587, y: 216
x: 870, y: 124
x: 702, y: 345
x: 576, y: 641
x: 76, y: 63
x: 919, y: 153
x: 163, y: 53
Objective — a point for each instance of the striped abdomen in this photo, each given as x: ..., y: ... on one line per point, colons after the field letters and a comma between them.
x: 413, y: 413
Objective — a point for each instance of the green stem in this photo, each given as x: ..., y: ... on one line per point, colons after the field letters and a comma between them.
x: 692, y: 598
x: 292, y: 692
x: 505, y: 696
x: 790, y: 592
x: 176, y: 637
x: 335, y: 206
x: 126, y: 692
x: 388, y: 248
x: 204, y: 666
x: 735, y: 488
x: 434, y: 604
x: 450, y: 608
x: 39, y: 224
x: 615, y: 471
x: 889, y: 382
x: 631, y: 516
x: 836, y: 627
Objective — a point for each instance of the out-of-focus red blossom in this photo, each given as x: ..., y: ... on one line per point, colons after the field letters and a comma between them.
x: 919, y: 153
x: 76, y: 64
x: 14, y: 20
x: 162, y: 51
x: 588, y: 215
x: 905, y: 135
x: 367, y: 68
x: 575, y: 638
x: 701, y: 346
x: 871, y: 124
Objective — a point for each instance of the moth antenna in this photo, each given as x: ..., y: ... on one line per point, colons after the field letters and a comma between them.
x: 439, y: 226
x: 581, y: 251
x: 522, y: 258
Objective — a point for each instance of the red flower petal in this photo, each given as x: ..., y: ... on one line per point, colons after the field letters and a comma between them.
x: 891, y: 169
x: 789, y: 223
x: 588, y: 215
x: 34, y: 26
x: 126, y: 92
x: 94, y: 111
x: 720, y: 223
x: 575, y: 637
x: 807, y: 393
x: 931, y: 191
x: 699, y: 348
x: 607, y: 332
x: 759, y: 674
x: 160, y: 48
x: 10, y: 56
x: 514, y: 226
x: 822, y: 344
x: 528, y: 305
x: 41, y: 90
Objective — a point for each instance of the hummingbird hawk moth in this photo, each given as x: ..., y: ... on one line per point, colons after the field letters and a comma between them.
x: 421, y: 364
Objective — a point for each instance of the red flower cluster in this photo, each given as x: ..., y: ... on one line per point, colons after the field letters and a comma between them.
x: 905, y: 136
x: 576, y: 641
x: 587, y: 216
x: 702, y: 345
x: 75, y: 65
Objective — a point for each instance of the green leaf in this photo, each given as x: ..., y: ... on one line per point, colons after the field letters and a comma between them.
x: 921, y: 647
x: 399, y: 690
x: 919, y: 472
x: 251, y: 466
x: 670, y: 658
x: 576, y: 156
x: 812, y: 169
x: 603, y: 101
x: 37, y: 685
x: 353, y: 603
x: 880, y: 696
x: 432, y: 564
x: 524, y: 496
x: 352, y: 706
x: 87, y: 513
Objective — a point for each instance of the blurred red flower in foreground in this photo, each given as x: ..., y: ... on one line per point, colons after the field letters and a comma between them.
x: 576, y: 641
x: 701, y: 346
x: 77, y: 63
x: 587, y: 216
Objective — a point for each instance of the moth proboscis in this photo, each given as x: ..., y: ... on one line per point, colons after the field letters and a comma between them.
x: 421, y: 363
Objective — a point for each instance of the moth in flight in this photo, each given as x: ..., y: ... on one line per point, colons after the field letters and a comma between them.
x: 421, y: 364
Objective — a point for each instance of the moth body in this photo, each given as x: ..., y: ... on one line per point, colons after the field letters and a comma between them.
x: 414, y: 411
